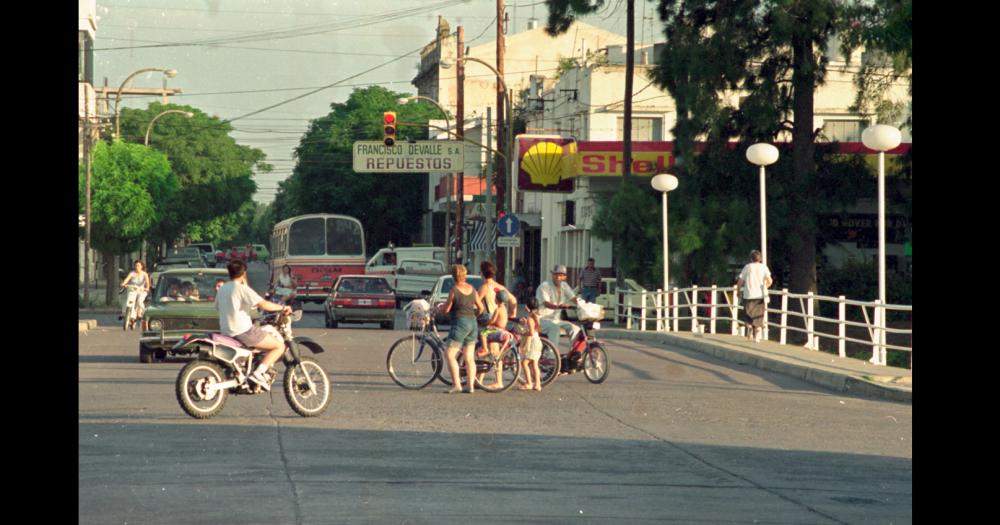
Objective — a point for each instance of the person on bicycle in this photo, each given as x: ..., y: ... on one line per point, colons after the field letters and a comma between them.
x: 137, y: 278
x: 554, y: 296
x: 464, y: 305
x: 233, y: 301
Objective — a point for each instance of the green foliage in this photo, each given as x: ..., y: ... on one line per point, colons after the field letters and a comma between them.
x: 631, y: 217
x: 129, y: 184
x: 215, y: 172
x: 390, y: 206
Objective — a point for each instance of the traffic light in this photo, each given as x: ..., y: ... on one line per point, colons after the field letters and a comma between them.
x: 389, y: 122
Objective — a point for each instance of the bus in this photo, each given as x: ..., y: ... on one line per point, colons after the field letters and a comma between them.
x: 318, y: 247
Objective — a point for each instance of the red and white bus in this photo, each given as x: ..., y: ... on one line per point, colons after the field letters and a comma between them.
x: 319, y: 247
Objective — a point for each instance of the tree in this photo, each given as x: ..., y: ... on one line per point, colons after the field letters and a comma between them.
x: 390, y: 206
x: 214, y: 171
x: 129, y: 184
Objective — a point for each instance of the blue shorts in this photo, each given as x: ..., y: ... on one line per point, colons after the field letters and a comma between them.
x: 463, y: 331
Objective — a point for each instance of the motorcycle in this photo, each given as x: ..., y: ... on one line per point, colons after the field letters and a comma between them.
x: 131, y: 316
x: 223, y: 366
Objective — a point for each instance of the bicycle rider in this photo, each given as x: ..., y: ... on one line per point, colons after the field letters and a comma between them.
x: 554, y: 296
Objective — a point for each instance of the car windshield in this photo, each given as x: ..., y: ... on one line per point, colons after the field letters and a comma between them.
x: 359, y: 285
x: 198, y: 287
x: 474, y: 280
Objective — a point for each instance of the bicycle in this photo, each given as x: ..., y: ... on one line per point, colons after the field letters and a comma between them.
x: 415, y: 361
x: 587, y: 353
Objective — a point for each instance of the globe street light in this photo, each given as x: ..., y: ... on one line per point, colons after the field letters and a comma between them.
x: 171, y: 73
x: 763, y: 155
x: 664, y: 182
x: 881, y: 138
x: 447, y: 216
x: 149, y: 128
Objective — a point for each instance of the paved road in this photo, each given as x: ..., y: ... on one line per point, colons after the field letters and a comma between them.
x: 671, y: 436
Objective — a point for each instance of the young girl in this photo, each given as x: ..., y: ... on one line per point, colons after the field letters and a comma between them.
x: 531, y: 344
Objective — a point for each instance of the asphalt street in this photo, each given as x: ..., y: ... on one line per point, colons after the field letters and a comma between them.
x: 672, y: 436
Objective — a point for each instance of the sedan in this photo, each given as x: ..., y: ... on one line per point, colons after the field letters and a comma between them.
x: 240, y: 252
x: 360, y: 299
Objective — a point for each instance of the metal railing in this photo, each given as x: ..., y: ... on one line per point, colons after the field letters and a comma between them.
x: 857, y: 329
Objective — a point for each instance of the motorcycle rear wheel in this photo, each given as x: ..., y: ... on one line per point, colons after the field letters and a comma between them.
x: 191, y: 383
x: 307, y: 387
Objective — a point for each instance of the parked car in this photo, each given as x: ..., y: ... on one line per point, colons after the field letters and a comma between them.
x: 607, y: 297
x: 414, y: 275
x: 240, y: 252
x: 171, y: 313
x: 221, y: 257
x: 439, y: 294
x: 260, y: 252
x: 207, y: 252
x: 386, y: 260
x: 360, y: 299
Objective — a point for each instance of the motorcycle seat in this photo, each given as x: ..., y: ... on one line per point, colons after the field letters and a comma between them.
x: 226, y: 340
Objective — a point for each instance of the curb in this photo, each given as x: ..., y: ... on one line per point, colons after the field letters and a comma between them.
x: 87, y: 324
x: 885, y: 387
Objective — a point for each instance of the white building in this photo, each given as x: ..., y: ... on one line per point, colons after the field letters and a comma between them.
x: 87, y: 97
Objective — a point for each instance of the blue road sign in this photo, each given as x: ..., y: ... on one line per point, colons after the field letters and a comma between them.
x: 509, y: 225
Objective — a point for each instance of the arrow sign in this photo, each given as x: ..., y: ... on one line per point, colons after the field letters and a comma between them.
x: 509, y: 225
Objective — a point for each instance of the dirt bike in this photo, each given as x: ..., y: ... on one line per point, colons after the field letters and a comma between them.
x: 130, y: 315
x: 224, y: 365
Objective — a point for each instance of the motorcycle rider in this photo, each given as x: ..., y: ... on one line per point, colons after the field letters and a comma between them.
x: 139, y: 279
x: 553, y: 296
x: 233, y: 301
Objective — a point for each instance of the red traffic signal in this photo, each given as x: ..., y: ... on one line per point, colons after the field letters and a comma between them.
x: 389, y: 128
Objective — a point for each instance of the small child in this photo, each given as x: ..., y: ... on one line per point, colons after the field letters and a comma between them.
x: 496, y: 329
x: 531, y: 344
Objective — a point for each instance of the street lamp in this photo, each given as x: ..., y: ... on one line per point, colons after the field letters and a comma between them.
x: 149, y: 128
x: 447, y: 212
x: 763, y: 155
x: 664, y: 183
x: 881, y: 138
x: 170, y: 73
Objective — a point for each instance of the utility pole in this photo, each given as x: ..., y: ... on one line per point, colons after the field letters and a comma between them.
x: 502, y: 175
x: 460, y: 132
x: 86, y: 226
x: 629, y: 73
x: 489, y: 175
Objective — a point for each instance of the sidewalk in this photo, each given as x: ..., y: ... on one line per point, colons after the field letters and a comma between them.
x: 831, y: 371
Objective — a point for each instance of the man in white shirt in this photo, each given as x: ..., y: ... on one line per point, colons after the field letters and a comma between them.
x: 754, y: 280
x: 233, y: 302
x: 553, y: 296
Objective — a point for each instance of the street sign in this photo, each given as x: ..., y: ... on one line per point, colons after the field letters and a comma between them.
x: 422, y: 156
x: 509, y: 242
x: 509, y: 225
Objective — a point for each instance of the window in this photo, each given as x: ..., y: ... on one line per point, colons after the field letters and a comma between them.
x: 343, y: 237
x: 569, y: 217
x: 642, y: 129
x: 85, y: 69
x: 843, y: 130
x: 307, y: 237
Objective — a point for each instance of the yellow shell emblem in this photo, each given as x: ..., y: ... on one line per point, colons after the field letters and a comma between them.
x: 545, y: 163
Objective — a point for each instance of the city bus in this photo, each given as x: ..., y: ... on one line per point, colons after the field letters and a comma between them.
x: 318, y: 247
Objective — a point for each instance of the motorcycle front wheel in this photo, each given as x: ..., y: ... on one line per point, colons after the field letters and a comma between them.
x: 307, y: 387
x: 596, y: 363
x: 192, y: 389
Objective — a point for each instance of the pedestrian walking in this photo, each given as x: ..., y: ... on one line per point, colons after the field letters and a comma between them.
x: 590, y: 280
x: 753, y: 282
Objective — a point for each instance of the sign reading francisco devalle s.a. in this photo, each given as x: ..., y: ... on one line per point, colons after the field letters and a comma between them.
x: 422, y: 156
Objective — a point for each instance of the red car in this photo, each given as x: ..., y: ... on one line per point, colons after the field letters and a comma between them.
x: 240, y: 252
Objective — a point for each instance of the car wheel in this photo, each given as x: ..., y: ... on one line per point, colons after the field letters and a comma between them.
x: 387, y: 325
x: 146, y: 354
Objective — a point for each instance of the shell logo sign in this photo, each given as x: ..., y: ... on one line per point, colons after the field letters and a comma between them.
x: 546, y: 164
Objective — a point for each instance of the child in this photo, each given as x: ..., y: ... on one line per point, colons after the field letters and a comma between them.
x: 496, y: 333
x: 531, y: 344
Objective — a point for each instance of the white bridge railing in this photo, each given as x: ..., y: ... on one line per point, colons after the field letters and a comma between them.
x: 683, y: 309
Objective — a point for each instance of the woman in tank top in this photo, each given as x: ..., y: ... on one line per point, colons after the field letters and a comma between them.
x: 463, y: 305
x: 138, y: 278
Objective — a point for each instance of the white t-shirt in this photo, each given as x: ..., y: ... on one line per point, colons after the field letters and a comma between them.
x: 753, y: 276
x: 548, y: 292
x: 234, y: 302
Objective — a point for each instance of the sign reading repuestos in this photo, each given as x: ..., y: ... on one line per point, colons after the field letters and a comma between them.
x: 409, y: 157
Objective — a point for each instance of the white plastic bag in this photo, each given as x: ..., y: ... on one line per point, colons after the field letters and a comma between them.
x: 589, y: 311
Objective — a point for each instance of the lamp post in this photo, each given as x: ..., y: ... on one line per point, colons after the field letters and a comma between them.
x: 763, y: 155
x: 508, y: 147
x: 881, y: 138
x: 170, y: 73
x: 149, y: 128
x: 664, y: 183
x: 447, y: 212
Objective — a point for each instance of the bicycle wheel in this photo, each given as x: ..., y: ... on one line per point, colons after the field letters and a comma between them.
x: 597, y: 363
x: 508, y: 363
x: 413, y: 362
x: 549, y: 362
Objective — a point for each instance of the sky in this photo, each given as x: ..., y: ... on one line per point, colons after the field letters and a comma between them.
x: 272, y: 51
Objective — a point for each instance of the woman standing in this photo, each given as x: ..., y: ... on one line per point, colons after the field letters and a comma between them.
x: 463, y: 304
x: 753, y: 283
x: 138, y: 278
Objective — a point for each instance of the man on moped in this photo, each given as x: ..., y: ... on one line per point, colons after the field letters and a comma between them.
x: 233, y: 302
x: 554, y: 296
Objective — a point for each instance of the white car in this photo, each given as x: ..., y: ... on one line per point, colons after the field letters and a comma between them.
x: 439, y: 294
x: 607, y: 297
